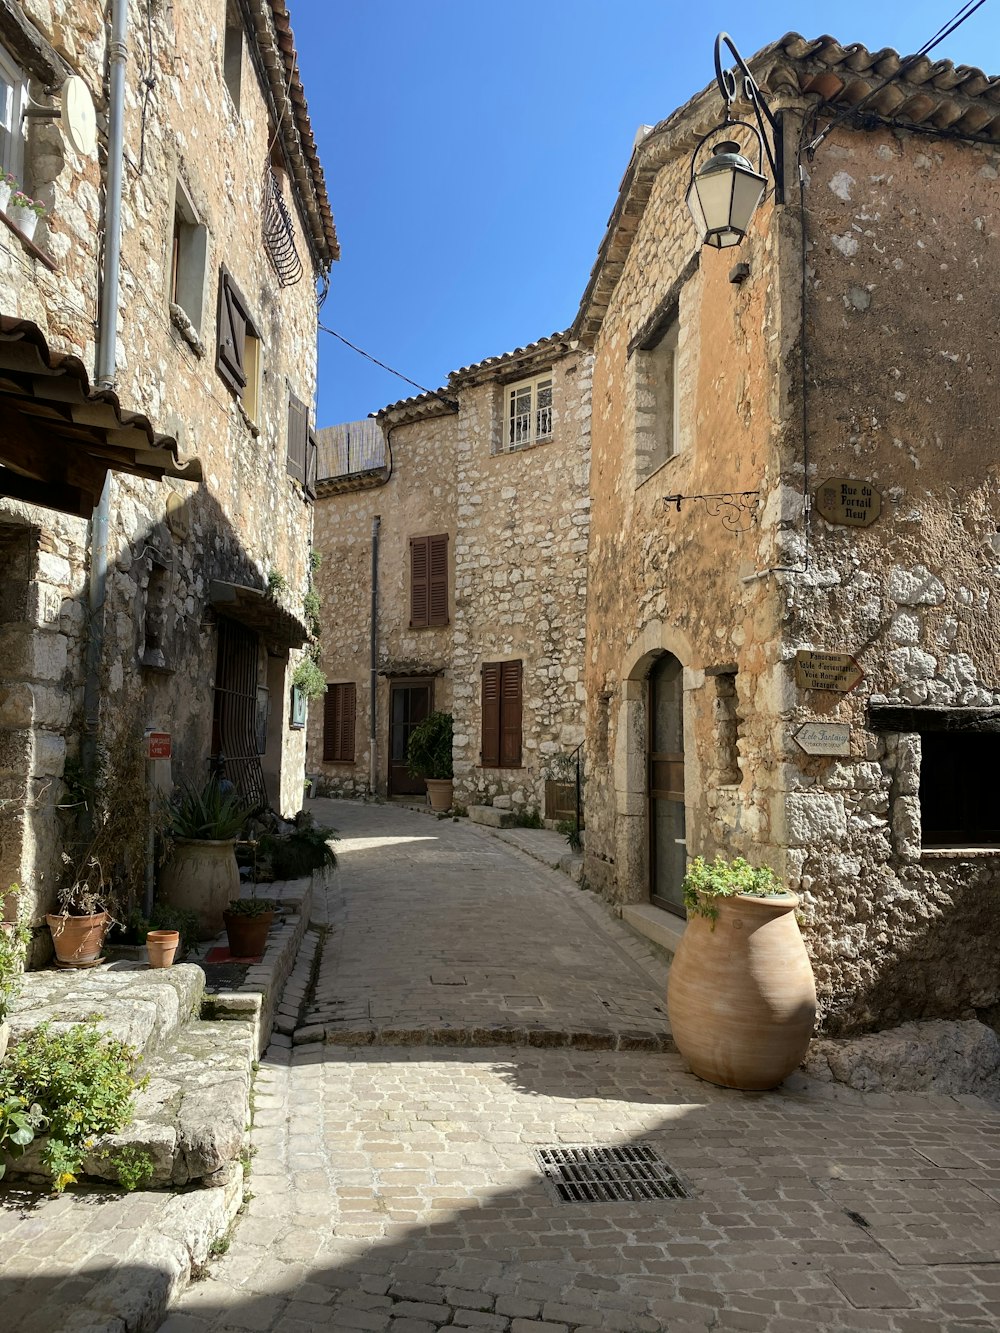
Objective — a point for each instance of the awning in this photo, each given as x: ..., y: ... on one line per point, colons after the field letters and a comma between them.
x: 59, y: 437
x: 258, y: 610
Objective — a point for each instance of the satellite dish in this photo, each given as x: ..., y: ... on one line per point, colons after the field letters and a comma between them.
x: 78, y: 116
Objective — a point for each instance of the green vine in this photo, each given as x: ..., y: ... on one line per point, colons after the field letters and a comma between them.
x: 309, y: 678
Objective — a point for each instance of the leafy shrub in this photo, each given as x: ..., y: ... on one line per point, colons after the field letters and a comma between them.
x: 82, y: 1084
x: 295, y: 855
x: 309, y: 677
x: 20, y: 1121
x: 569, y: 830
x: 707, y: 880
x: 15, y: 936
x: 428, y: 754
x: 527, y: 819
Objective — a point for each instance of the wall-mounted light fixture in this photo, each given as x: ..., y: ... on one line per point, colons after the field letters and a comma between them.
x: 726, y: 189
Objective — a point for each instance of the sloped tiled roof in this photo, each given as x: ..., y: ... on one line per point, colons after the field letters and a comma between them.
x: 928, y: 96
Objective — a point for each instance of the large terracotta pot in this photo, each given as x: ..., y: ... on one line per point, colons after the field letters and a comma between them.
x: 440, y: 792
x: 202, y: 877
x: 247, y: 935
x: 78, y: 939
x: 740, y: 996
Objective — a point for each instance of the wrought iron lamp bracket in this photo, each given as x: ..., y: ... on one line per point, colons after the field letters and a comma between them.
x: 737, y: 82
x: 737, y: 509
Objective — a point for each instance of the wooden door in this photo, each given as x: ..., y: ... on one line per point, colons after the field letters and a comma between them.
x: 665, y: 742
x: 409, y: 703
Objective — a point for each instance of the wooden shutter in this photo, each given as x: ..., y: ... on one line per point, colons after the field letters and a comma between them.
x: 437, y: 564
x: 230, y: 334
x: 419, y: 582
x: 312, y: 465
x: 489, y: 755
x: 339, y: 716
x: 510, y: 715
x: 298, y: 438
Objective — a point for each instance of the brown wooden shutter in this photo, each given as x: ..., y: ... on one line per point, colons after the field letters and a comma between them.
x: 438, y: 580
x: 339, y: 716
x: 510, y: 715
x: 298, y: 438
x: 489, y: 756
x: 230, y: 334
x: 419, y: 582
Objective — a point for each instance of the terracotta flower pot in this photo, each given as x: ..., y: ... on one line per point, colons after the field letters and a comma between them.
x: 740, y: 996
x: 440, y: 792
x: 78, y: 939
x: 201, y: 876
x: 247, y: 935
x: 161, y: 945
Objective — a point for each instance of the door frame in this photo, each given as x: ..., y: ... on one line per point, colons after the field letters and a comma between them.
x: 406, y: 683
x: 677, y: 797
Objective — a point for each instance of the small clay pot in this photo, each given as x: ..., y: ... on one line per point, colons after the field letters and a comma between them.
x: 161, y: 945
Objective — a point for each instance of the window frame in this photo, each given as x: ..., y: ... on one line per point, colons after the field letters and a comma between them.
x: 429, y: 555
x: 340, y: 713
x: 188, y: 259
x: 657, y: 366
x: 12, y: 137
x: 531, y: 386
x: 502, y: 739
x: 233, y: 42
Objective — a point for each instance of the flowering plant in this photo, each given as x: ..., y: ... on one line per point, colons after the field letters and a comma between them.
x: 9, y: 180
x: 20, y: 200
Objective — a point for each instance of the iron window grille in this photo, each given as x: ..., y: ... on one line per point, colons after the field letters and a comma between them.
x: 279, y: 233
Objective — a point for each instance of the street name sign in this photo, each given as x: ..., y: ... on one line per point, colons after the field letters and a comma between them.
x: 827, y: 671
x: 824, y: 738
x: 849, y: 501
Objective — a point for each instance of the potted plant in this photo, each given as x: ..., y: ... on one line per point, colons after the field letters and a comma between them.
x: 741, y: 998
x: 248, y: 921
x: 428, y: 756
x: 8, y: 184
x: 82, y: 920
x: 201, y: 874
x: 25, y: 212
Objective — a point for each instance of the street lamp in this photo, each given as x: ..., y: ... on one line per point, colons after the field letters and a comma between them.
x: 725, y: 190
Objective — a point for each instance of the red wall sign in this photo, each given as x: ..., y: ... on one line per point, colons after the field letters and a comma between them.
x: 157, y: 744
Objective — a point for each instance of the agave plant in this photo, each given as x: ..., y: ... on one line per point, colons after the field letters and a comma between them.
x: 210, y: 812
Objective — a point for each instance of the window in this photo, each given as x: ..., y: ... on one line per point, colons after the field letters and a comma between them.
x: 232, y: 52
x: 298, y: 438
x: 428, y: 581
x: 501, y: 715
x: 727, y: 724
x: 238, y: 354
x: 13, y: 96
x: 187, y: 266
x: 958, y: 804
x: 657, y: 432
x: 529, y: 412
x: 339, y: 710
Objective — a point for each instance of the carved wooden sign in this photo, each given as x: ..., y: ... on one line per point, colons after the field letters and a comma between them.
x: 847, y: 500
x: 827, y: 671
x: 824, y: 737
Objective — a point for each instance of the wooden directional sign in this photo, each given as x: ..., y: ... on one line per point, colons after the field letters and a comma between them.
x: 827, y: 671
x: 824, y: 738
x: 847, y: 500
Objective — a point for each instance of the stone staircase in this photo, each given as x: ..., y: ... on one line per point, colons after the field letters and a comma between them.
x: 192, y: 1118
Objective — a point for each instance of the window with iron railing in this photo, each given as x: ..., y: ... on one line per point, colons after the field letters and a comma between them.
x: 279, y: 232
x: 529, y: 412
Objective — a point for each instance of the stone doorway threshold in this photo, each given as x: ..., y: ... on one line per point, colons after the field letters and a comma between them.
x: 662, y: 928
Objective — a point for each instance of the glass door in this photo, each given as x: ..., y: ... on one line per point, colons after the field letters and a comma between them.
x: 409, y: 703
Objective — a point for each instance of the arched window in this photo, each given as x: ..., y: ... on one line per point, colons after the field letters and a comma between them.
x: 665, y: 732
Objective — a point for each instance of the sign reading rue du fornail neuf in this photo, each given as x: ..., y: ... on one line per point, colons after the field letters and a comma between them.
x: 849, y: 501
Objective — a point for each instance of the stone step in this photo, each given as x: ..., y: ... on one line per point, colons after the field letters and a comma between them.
x: 191, y: 1119
x: 491, y: 816
x: 146, y: 1007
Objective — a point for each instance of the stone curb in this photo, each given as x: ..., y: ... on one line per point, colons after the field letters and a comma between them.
x: 641, y: 1040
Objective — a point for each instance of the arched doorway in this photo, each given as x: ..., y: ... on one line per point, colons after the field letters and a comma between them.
x: 665, y: 783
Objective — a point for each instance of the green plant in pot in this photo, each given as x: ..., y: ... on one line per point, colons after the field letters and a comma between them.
x: 248, y: 922
x: 741, y: 998
x: 429, y: 756
x: 200, y: 874
x: 81, y: 921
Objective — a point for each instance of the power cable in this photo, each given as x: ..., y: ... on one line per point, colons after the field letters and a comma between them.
x: 434, y: 393
x: 946, y: 29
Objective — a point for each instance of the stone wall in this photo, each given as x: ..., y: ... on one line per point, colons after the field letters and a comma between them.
x: 517, y: 527
x: 250, y: 522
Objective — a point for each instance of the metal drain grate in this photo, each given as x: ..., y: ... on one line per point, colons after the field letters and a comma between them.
x: 610, y: 1175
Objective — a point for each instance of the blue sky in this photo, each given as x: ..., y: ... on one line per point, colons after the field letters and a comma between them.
x: 473, y: 153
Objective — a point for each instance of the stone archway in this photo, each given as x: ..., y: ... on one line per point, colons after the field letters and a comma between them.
x: 631, y: 750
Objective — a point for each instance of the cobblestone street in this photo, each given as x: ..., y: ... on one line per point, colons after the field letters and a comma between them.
x: 396, y: 1186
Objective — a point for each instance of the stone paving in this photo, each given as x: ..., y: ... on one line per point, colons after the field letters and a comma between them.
x: 439, y: 931
x: 396, y: 1188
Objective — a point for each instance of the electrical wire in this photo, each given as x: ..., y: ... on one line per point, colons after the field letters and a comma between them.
x: 434, y: 393
x: 946, y: 29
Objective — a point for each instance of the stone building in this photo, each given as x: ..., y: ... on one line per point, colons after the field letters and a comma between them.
x: 155, y: 454
x: 835, y: 379
x: 469, y: 510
